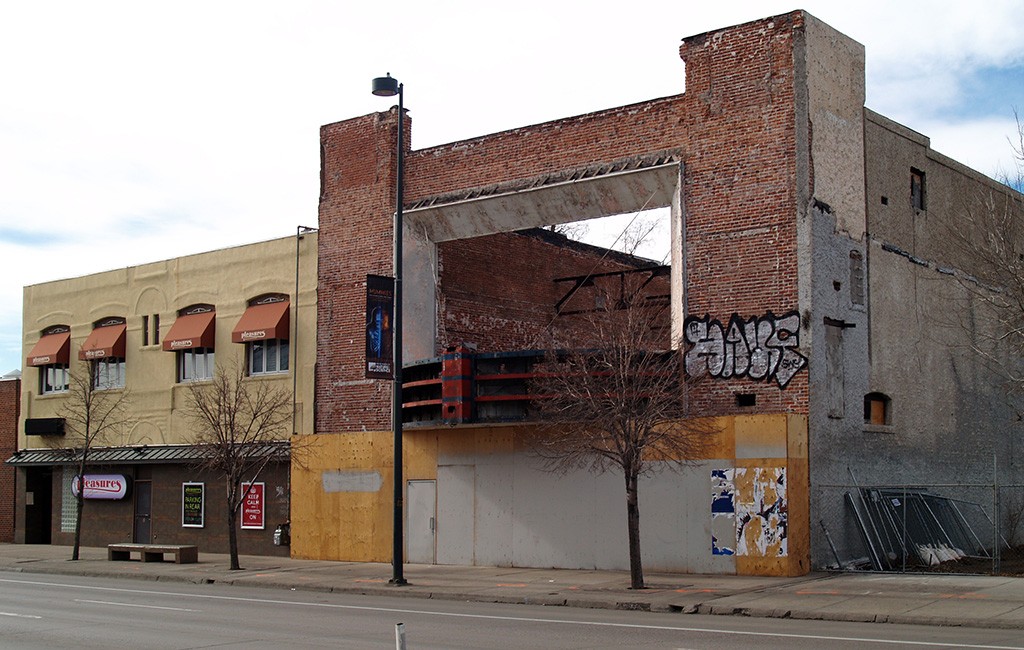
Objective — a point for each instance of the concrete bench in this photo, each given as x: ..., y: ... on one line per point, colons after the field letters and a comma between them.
x: 183, y: 553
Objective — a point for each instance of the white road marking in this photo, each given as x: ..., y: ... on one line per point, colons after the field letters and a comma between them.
x: 106, y: 602
x: 12, y: 614
x: 521, y: 619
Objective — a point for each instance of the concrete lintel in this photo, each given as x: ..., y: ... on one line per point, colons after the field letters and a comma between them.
x: 620, y: 192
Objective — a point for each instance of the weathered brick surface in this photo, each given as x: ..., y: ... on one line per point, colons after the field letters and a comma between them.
x: 499, y: 292
x: 10, y: 407
x: 735, y: 130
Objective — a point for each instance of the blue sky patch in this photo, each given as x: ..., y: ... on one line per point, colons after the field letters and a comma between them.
x: 989, y: 92
x: 30, y: 238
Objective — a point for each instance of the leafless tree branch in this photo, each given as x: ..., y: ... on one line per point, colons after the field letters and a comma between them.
x: 620, y: 404
x: 240, y: 425
x: 92, y: 416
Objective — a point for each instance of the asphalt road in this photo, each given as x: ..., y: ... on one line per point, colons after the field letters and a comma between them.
x: 46, y: 611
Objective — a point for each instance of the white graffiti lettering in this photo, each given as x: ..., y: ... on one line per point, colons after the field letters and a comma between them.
x: 758, y: 348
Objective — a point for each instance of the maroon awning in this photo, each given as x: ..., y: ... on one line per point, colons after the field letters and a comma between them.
x: 191, y: 331
x: 51, y: 348
x: 104, y: 342
x: 259, y: 322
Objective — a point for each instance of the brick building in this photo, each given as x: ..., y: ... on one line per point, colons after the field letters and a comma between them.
x: 10, y: 406
x: 801, y: 249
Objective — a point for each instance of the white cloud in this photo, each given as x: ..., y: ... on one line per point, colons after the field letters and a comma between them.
x: 170, y: 129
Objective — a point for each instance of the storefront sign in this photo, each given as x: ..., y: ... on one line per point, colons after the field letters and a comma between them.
x: 253, y: 506
x: 193, y: 504
x: 101, y: 486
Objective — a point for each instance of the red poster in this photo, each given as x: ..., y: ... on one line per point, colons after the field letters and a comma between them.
x: 253, y: 506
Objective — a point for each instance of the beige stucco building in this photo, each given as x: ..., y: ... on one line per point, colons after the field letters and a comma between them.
x: 150, y: 330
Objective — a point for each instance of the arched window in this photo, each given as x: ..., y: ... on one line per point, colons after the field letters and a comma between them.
x: 191, y: 338
x: 263, y: 328
x: 877, y: 409
x: 51, y: 355
x: 104, y: 348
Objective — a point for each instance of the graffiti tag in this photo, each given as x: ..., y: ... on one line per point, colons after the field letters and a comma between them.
x: 759, y: 348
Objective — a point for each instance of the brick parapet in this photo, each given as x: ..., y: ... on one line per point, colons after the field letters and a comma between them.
x: 736, y: 131
x: 356, y: 225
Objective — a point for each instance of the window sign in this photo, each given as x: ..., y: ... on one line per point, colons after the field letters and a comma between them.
x: 253, y: 506
x: 101, y: 486
x: 193, y: 505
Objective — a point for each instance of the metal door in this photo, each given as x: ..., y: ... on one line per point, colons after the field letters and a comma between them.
x: 142, y: 532
x: 421, y: 527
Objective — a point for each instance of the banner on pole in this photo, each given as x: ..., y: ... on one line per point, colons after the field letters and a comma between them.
x: 380, y: 308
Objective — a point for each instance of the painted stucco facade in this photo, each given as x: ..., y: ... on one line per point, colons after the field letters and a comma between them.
x: 150, y: 299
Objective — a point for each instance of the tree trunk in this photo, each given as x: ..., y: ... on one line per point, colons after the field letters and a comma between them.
x: 79, y: 504
x: 636, y: 571
x: 233, y: 526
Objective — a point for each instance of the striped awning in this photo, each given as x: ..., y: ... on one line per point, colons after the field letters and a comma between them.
x: 138, y: 455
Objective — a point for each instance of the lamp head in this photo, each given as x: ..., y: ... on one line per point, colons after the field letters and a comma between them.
x: 386, y: 86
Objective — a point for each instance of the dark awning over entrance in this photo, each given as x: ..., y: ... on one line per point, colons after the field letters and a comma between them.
x: 141, y: 455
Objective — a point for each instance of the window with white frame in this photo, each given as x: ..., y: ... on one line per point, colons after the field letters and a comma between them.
x: 53, y: 378
x: 195, y: 364
x: 108, y: 373
x: 268, y: 357
x: 104, y: 350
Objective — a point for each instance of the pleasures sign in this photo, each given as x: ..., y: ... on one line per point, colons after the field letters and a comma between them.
x: 100, y: 486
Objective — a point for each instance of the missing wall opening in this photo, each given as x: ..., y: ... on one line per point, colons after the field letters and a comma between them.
x: 746, y: 399
x: 917, y: 189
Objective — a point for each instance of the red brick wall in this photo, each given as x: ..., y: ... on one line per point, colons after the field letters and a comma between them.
x: 735, y: 130
x: 498, y: 292
x: 10, y: 408
x: 740, y: 188
x: 356, y: 207
x: 648, y: 127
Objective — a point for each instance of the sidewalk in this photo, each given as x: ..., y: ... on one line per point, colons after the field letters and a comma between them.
x: 970, y: 601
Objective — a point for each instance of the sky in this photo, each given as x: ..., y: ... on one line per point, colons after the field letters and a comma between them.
x: 132, y: 132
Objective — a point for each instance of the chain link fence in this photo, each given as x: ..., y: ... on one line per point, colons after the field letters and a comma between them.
x: 940, y: 527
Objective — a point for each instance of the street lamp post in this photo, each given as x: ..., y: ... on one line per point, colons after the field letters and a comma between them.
x: 389, y: 87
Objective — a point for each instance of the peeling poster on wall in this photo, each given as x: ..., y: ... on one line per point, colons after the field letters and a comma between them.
x: 723, y: 513
x: 749, y: 512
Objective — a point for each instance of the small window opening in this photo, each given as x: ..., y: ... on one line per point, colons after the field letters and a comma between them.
x: 885, y: 200
x: 877, y: 409
x: 145, y: 330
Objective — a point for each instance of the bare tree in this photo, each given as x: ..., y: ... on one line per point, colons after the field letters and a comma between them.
x: 620, y: 404
x: 575, y: 230
x: 92, y: 415
x: 639, y: 231
x: 241, y: 426
x: 986, y: 240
